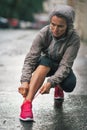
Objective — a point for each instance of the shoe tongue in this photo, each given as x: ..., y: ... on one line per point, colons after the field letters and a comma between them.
x: 28, y: 103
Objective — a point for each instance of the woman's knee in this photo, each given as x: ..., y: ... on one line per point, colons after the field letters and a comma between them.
x: 69, y: 88
x: 41, y: 69
x: 69, y: 83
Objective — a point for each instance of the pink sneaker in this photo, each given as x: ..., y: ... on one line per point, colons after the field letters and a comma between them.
x: 26, y: 111
x: 58, y: 93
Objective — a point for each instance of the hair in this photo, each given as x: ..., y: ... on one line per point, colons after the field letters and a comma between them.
x: 66, y: 12
x: 58, y: 15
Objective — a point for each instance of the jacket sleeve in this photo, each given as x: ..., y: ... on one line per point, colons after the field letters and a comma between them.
x: 66, y: 62
x: 32, y: 58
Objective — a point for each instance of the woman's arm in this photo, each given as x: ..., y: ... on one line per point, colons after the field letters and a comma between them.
x: 31, y: 59
x: 66, y: 62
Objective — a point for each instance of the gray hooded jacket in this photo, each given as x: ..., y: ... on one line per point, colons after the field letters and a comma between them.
x: 63, y: 50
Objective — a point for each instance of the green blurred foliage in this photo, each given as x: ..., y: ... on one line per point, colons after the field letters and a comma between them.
x: 21, y: 9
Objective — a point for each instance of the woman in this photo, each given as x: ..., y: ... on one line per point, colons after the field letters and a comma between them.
x: 52, y: 55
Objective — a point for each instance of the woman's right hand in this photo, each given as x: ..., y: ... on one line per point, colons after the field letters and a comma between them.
x: 23, y: 89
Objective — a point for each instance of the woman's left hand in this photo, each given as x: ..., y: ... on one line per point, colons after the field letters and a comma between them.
x: 45, y: 89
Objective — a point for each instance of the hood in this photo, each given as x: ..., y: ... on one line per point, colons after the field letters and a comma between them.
x: 65, y: 11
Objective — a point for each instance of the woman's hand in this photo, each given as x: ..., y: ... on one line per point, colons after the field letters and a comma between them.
x: 23, y: 89
x: 45, y: 88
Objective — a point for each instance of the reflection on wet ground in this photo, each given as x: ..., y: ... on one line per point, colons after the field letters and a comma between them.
x: 70, y: 116
x: 48, y: 115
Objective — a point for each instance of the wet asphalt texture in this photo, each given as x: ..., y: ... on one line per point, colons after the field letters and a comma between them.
x: 48, y: 114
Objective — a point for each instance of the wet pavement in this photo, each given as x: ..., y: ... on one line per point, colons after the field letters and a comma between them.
x: 48, y: 115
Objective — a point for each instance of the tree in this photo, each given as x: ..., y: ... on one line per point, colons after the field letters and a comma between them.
x: 21, y: 9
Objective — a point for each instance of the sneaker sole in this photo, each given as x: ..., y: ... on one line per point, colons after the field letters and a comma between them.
x: 27, y: 119
x: 58, y: 98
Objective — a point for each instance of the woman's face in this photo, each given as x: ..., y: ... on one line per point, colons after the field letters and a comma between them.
x: 58, y: 26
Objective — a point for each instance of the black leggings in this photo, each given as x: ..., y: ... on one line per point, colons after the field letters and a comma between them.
x: 69, y: 83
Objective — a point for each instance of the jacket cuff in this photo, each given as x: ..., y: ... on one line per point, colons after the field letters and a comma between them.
x: 52, y: 83
x: 24, y: 81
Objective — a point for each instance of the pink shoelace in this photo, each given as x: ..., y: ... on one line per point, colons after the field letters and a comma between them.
x: 37, y: 94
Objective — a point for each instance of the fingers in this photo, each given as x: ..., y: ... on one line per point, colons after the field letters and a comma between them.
x: 45, y: 89
x: 42, y: 90
x: 23, y: 91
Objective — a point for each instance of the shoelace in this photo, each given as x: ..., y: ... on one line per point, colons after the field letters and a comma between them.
x: 36, y: 95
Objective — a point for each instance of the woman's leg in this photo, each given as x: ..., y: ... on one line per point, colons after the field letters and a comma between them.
x: 36, y: 81
x: 69, y: 83
x: 41, y: 70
